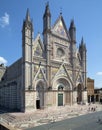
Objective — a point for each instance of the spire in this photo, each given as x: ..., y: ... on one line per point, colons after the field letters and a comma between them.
x: 72, y: 25
x: 82, y: 45
x: 27, y: 22
x: 72, y: 31
x: 47, y: 19
x: 28, y: 15
x: 47, y: 10
x: 82, y: 41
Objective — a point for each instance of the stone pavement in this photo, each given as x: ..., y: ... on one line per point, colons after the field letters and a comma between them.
x: 84, y: 122
x: 48, y: 115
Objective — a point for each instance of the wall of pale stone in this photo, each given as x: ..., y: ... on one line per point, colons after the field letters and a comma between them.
x: 15, y: 70
x: 84, y: 97
x: 10, y: 87
x: 67, y: 98
x: 30, y: 101
x: 74, y: 97
x: 50, y: 99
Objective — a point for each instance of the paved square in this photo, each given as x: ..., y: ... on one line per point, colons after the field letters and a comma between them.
x: 84, y: 122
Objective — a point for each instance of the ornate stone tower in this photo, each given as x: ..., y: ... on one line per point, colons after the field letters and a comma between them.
x: 72, y: 32
x: 82, y: 51
x: 46, y: 39
x: 27, y: 57
x: 27, y: 36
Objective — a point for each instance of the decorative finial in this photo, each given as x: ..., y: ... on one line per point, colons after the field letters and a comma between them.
x: 82, y: 40
x: 72, y: 23
x: 47, y: 3
x: 47, y: 10
x: 27, y: 15
x: 60, y: 10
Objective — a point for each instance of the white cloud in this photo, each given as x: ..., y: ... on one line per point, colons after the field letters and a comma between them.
x: 99, y: 73
x: 2, y: 60
x: 4, y: 20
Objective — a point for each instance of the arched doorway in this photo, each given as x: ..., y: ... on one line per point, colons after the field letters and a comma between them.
x: 40, y: 95
x: 63, y: 93
x: 79, y: 93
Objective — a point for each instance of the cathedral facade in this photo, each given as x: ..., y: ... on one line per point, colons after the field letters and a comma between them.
x: 51, y: 71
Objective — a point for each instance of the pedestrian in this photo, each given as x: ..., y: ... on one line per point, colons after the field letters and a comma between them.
x: 92, y: 109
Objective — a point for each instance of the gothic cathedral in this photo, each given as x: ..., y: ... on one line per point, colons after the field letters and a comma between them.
x: 51, y: 71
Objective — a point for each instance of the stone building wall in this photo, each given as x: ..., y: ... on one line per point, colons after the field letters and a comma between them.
x: 90, y: 89
x: 10, y: 87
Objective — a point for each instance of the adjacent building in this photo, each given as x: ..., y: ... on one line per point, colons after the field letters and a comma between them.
x: 51, y: 71
x: 90, y: 90
x: 98, y: 95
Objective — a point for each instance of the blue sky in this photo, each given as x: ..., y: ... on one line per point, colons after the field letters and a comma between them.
x: 87, y: 15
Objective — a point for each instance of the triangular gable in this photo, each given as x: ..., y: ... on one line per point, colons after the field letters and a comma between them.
x: 40, y: 75
x: 60, y: 29
x: 38, y: 50
x: 63, y: 72
x: 79, y: 77
x: 38, y: 46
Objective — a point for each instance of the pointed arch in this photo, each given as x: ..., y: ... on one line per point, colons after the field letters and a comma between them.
x: 62, y: 71
x: 62, y: 81
x: 64, y: 88
x: 42, y: 77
